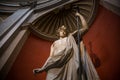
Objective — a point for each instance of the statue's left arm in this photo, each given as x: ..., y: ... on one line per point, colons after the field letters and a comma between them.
x: 84, y: 28
x: 39, y: 70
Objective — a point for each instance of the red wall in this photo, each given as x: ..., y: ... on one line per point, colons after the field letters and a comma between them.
x: 33, y: 55
x: 102, y: 39
x: 104, y: 36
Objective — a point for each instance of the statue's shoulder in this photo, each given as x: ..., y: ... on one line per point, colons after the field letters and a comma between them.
x: 55, y: 42
x: 60, y: 40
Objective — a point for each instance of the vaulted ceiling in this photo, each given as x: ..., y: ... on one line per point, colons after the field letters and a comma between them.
x: 54, y: 14
x: 46, y: 25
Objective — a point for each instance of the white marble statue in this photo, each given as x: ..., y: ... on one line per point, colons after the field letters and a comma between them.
x: 63, y: 62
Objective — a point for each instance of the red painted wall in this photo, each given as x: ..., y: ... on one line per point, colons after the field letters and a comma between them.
x: 33, y: 55
x: 102, y: 39
x: 104, y: 36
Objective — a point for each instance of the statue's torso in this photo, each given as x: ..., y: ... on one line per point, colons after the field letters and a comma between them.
x: 60, y: 45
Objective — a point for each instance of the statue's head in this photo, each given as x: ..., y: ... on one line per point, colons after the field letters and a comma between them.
x: 62, y: 32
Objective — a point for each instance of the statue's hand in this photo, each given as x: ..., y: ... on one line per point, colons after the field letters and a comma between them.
x: 77, y: 14
x: 35, y: 71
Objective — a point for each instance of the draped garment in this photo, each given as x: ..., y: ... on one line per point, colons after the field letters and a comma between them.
x: 64, y: 62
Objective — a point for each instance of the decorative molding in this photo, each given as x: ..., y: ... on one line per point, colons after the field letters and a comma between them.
x: 111, y: 5
x: 12, y: 30
x: 45, y: 25
x: 8, y: 57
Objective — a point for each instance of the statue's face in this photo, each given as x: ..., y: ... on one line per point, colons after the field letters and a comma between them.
x: 62, y: 33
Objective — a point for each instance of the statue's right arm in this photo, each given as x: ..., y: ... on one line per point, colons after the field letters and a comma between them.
x: 84, y: 24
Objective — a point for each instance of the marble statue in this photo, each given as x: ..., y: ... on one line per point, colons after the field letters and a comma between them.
x: 63, y: 62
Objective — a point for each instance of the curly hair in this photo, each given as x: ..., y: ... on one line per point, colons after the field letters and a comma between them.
x: 62, y: 28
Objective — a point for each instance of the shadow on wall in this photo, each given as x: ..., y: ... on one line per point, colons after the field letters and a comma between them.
x: 95, y: 59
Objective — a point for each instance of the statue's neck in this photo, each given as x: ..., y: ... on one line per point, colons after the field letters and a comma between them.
x: 62, y: 37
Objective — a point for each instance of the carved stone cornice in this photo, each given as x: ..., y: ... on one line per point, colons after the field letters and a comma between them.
x: 44, y: 24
